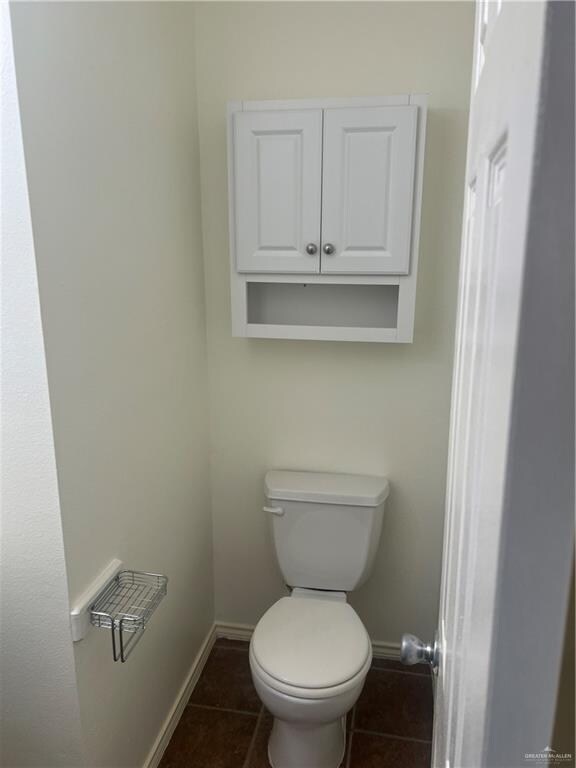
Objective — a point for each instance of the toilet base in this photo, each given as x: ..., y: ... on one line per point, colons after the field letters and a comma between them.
x: 303, y: 745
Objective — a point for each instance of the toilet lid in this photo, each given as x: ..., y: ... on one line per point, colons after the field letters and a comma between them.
x: 310, y: 643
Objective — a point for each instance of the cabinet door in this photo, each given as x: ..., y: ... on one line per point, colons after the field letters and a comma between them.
x: 277, y: 183
x: 368, y: 184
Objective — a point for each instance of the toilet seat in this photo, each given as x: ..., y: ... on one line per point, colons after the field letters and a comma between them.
x: 316, y: 694
x: 310, y: 648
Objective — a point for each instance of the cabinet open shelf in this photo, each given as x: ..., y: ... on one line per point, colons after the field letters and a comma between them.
x: 322, y: 307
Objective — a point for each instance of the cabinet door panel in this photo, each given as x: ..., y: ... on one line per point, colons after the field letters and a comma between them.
x: 368, y: 184
x: 277, y: 179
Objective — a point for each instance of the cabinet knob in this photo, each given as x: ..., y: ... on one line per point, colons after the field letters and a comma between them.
x: 311, y: 249
x: 328, y: 249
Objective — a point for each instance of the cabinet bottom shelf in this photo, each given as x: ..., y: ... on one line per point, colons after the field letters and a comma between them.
x: 328, y: 306
x: 320, y: 333
x: 326, y: 312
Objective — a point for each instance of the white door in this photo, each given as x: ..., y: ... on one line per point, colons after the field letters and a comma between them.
x: 277, y: 182
x: 509, y: 522
x: 367, y: 189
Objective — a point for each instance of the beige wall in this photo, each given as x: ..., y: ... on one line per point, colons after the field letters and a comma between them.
x: 38, y: 679
x: 328, y: 405
x: 109, y: 118
x: 110, y: 115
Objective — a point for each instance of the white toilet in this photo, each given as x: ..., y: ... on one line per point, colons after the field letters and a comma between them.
x: 310, y: 653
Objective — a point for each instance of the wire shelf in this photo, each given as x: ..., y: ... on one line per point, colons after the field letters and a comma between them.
x: 125, y: 607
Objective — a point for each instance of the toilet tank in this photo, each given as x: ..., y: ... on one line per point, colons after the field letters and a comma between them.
x: 326, y: 527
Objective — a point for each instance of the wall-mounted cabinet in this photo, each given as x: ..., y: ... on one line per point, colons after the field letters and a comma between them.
x: 324, y: 217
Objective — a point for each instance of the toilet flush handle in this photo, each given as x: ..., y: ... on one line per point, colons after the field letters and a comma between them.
x: 273, y: 510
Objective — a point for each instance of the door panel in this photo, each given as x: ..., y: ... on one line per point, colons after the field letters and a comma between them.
x: 277, y: 177
x: 368, y: 182
x: 506, y: 93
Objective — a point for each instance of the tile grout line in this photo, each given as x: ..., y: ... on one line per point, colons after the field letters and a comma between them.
x: 352, y: 723
x: 252, y: 744
x: 245, y: 650
x: 401, y: 672
x: 349, y: 755
x: 393, y: 736
x: 223, y: 709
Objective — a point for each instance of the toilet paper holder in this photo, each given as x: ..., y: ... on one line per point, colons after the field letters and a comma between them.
x: 121, y: 601
x: 125, y: 606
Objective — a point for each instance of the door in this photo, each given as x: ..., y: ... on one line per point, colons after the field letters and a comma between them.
x: 509, y: 516
x: 277, y: 180
x: 367, y: 191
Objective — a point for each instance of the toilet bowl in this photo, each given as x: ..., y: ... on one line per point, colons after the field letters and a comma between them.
x: 309, y: 658
x: 310, y: 652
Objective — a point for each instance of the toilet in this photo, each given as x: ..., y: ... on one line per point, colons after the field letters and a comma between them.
x: 310, y: 652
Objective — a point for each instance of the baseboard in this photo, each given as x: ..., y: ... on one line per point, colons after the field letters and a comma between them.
x: 380, y: 648
x: 233, y: 631
x: 169, y: 725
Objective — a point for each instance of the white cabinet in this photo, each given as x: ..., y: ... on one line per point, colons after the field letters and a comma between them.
x: 367, y: 189
x: 327, y: 190
x: 278, y: 171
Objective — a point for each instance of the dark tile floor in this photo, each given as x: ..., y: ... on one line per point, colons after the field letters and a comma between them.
x: 225, y: 725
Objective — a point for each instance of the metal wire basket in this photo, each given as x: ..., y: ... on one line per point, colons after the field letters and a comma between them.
x: 125, y: 607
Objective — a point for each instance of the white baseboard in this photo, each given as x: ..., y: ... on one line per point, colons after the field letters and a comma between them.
x: 169, y: 725
x: 380, y: 648
x: 232, y: 631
